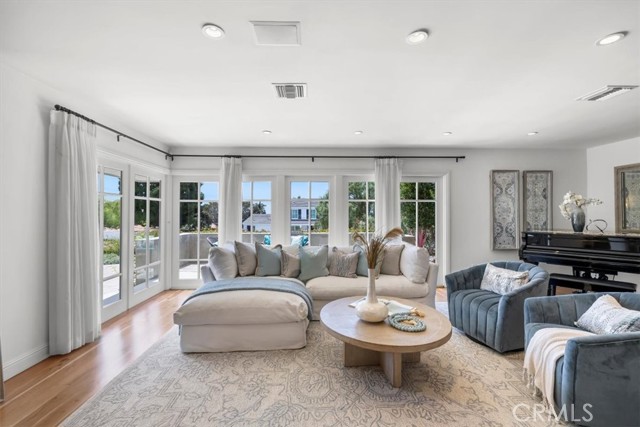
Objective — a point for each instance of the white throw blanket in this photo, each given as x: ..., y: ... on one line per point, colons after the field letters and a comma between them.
x: 545, y: 348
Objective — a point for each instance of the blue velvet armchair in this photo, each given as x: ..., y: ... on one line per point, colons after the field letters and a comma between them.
x: 597, y: 382
x: 493, y: 319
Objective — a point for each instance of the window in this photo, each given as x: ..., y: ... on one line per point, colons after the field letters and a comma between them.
x: 362, y: 208
x: 307, y: 197
x: 198, y: 226
x: 256, y: 210
x: 418, y: 214
x: 110, y: 211
x: 295, y: 213
x: 147, y: 258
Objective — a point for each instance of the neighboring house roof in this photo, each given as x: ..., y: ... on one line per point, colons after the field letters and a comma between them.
x: 257, y: 219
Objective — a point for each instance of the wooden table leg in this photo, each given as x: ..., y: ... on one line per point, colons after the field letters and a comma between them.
x: 357, y: 356
x: 391, y: 363
x: 392, y: 366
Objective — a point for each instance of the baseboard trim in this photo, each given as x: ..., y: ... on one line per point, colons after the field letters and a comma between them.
x: 24, y: 362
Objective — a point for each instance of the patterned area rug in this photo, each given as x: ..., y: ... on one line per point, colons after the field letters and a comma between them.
x: 459, y: 384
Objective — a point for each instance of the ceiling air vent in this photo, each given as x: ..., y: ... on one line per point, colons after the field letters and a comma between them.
x: 291, y: 90
x: 606, y: 93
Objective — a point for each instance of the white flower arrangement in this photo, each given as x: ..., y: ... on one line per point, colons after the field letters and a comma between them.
x: 572, y: 200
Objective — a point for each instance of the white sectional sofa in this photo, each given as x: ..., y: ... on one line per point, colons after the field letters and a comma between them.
x: 258, y: 319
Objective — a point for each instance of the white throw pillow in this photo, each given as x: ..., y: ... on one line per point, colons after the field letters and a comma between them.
x: 222, y: 263
x: 502, y: 280
x: 414, y: 263
x: 607, y: 316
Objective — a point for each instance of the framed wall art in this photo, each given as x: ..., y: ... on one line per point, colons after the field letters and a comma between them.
x: 537, y: 200
x: 627, y: 196
x: 505, y: 227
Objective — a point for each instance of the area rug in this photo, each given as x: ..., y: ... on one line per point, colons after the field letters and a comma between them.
x: 459, y: 384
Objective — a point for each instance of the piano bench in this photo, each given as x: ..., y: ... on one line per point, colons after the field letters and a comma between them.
x: 587, y: 285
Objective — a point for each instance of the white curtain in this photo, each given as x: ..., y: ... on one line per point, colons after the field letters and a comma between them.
x: 388, y: 174
x: 230, y: 210
x: 74, y: 297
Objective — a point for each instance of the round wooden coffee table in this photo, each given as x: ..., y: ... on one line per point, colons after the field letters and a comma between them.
x: 367, y: 344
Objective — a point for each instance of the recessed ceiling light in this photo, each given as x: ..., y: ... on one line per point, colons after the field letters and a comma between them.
x: 611, y: 38
x: 266, y: 132
x: 532, y: 133
x: 417, y: 37
x: 448, y: 133
x: 213, y: 31
x: 358, y: 132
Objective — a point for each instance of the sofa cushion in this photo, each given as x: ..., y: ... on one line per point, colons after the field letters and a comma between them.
x: 391, y: 260
x: 332, y: 287
x: 269, y: 260
x: 313, y: 263
x: 290, y: 264
x: 414, y: 263
x: 607, y: 316
x: 343, y: 264
x: 222, y: 263
x: 246, y: 258
x: 502, y: 280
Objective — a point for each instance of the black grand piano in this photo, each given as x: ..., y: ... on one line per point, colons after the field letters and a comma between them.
x: 596, y: 258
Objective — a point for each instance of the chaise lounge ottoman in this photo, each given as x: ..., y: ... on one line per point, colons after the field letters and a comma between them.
x: 245, y: 314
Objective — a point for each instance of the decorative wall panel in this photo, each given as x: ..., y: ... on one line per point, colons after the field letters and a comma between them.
x: 505, y: 229
x: 537, y: 200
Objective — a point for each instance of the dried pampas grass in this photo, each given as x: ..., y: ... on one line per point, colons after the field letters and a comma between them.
x: 374, y: 247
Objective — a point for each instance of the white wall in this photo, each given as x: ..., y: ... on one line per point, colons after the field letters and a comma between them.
x: 24, y: 122
x: 469, y: 183
x: 601, y: 162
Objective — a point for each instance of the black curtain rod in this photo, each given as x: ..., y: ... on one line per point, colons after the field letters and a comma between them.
x: 313, y: 158
x: 118, y: 133
x: 251, y: 156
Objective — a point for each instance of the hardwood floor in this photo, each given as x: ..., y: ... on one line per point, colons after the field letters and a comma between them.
x: 47, y: 393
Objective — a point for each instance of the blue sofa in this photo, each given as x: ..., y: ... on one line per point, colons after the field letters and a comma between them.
x: 602, y: 371
x: 493, y: 319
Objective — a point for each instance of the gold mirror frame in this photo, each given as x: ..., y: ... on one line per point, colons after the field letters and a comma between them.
x: 627, y: 183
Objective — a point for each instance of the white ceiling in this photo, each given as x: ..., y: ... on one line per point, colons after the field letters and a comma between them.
x: 490, y: 72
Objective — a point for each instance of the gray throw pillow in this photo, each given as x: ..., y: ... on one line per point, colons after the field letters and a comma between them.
x: 290, y: 265
x: 269, y: 260
x: 606, y: 316
x: 246, y: 257
x: 222, y: 263
x: 343, y: 264
x: 313, y: 264
x: 391, y: 260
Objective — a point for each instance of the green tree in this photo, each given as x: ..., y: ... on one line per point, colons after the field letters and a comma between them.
x: 112, y: 214
x: 322, y: 216
x: 357, y: 216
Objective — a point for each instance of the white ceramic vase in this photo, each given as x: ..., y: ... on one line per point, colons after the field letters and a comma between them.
x: 372, y: 310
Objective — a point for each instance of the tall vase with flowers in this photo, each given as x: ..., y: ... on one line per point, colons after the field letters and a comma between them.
x: 571, y: 208
x: 370, y: 309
